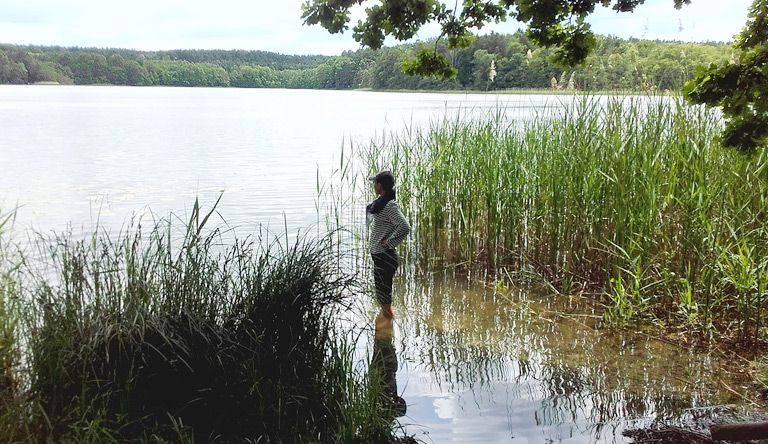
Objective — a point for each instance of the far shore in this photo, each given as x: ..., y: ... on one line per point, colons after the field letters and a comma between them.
x: 529, y: 91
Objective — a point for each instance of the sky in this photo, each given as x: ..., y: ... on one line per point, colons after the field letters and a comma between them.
x: 276, y: 25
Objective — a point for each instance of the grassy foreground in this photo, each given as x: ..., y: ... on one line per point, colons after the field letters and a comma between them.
x: 168, y: 335
x: 628, y: 198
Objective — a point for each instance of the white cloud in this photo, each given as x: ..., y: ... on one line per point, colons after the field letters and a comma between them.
x: 445, y: 408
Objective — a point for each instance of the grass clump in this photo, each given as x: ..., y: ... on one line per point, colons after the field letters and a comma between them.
x: 628, y: 198
x: 172, y: 336
x: 10, y: 352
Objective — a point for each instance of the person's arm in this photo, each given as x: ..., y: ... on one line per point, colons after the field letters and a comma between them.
x: 399, y: 222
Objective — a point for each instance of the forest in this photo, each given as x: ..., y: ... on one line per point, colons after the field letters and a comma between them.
x: 493, y: 62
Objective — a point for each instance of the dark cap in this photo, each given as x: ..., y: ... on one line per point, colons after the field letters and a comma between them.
x: 385, y: 178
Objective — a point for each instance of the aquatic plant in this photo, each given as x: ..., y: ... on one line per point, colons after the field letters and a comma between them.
x: 630, y: 199
x: 172, y: 335
x: 10, y: 262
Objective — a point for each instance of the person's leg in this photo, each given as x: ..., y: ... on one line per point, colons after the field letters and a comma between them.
x: 383, y: 275
x: 389, y: 266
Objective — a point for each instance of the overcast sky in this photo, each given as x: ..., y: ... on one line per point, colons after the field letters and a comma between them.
x: 276, y: 25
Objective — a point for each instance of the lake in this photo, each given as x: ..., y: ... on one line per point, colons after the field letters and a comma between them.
x: 475, y: 364
x: 80, y: 155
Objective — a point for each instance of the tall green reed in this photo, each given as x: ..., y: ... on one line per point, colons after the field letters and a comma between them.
x: 168, y: 333
x: 629, y: 198
x: 11, y: 260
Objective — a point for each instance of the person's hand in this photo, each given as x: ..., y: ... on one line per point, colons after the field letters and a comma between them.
x: 384, y: 244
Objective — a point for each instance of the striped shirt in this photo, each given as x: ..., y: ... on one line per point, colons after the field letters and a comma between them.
x: 389, y: 224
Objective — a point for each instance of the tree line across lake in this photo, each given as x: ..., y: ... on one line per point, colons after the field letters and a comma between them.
x: 493, y: 62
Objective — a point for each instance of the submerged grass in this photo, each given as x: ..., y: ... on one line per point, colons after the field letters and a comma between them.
x: 630, y: 198
x: 168, y: 335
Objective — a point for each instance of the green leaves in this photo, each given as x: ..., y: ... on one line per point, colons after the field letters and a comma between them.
x: 398, y: 18
x: 558, y: 23
x: 755, y: 33
x: 574, y: 42
x: 429, y: 63
x: 740, y: 86
x: 332, y: 15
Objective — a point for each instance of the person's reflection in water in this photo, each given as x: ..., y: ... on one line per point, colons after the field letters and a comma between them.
x: 384, y: 366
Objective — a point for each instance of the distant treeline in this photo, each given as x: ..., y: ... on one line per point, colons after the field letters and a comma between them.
x: 493, y: 62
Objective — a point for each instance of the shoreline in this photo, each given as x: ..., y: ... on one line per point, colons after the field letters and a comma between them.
x: 521, y: 92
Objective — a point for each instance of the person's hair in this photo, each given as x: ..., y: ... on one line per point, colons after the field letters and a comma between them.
x: 386, y: 179
x: 387, y: 185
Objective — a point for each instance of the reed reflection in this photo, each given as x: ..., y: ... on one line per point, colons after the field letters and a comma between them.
x: 549, y: 359
x: 383, y: 368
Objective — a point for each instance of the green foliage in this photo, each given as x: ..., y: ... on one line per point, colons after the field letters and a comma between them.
x: 615, y: 64
x: 626, y: 198
x: 19, y: 65
x: 337, y: 73
x: 739, y: 87
x: 12, y: 72
x: 224, y: 58
x: 429, y: 62
x: 183, y: 73
x: 399, y: 18
x: 10, y: 346
x: 558, y: 23
x: 256, y: 77
x: 87, y: 66
x: 333, y: 15
x: 170, y: 335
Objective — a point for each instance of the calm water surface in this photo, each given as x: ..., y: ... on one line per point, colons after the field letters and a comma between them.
x: 481, y: 364
x: 474, y: 364
x: 82, y: 154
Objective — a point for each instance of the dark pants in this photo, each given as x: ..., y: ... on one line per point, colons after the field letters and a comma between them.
x: 384, y: 266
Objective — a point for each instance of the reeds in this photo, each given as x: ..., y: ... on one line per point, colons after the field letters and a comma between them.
x: 168, y: 335
x: 630, y: 198
x: 10, y: 304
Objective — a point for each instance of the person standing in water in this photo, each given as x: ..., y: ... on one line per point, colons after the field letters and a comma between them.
x: 389, y: 229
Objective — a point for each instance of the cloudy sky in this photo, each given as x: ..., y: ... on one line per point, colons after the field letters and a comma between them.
x: 276, y: 26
